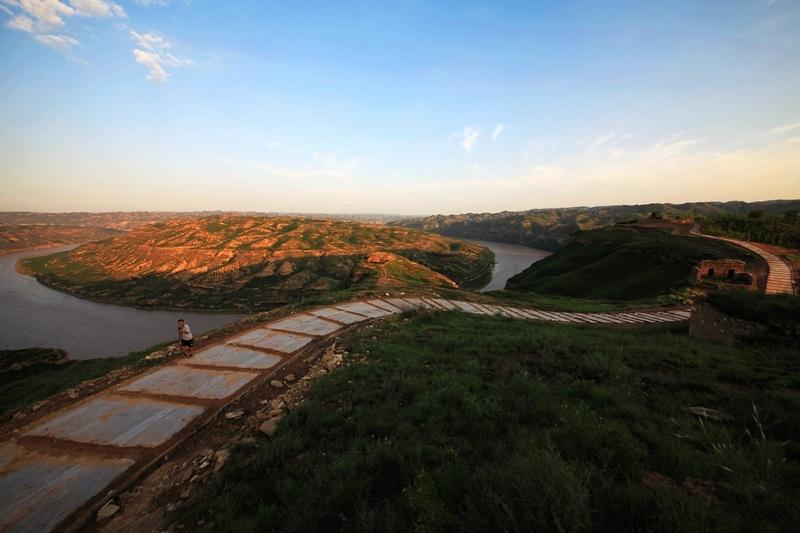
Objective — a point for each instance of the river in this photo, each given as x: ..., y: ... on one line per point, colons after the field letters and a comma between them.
x: 510, y: 259
x: 34, y: 315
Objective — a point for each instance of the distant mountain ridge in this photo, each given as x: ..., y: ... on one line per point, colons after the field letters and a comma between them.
x: 549, y: 229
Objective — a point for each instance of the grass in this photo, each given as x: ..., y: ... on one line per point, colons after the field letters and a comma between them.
x: 39, y: 381
x: 551, y: 302
x: 449, y: 422
x: 779, y: 312
x: 621, y: 264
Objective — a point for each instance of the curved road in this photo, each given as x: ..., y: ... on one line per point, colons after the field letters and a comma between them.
x: 59, y: 469
x: 780, y: 279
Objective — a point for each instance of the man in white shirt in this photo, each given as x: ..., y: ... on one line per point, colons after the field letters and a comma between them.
x: 185, y: 338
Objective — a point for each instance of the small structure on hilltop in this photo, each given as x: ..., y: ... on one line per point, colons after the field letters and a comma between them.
x: 723, y: 270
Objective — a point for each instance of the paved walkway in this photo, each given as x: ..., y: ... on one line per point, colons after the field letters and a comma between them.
x: 780, y: 279
x: 69, y: 459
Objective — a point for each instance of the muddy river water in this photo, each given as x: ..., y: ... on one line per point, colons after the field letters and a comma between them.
x: 34, y: 315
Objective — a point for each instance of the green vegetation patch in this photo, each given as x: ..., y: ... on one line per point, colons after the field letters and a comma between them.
x: 780, y: 312
x: 780, y: 229
x: 450, y: 422
x: 622, y: 264
x: 34, y: 374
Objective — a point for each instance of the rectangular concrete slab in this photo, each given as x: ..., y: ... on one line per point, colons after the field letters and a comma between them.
x: 338, y: 315
x: 190, y: 382
x: 271, y: 340
x: 419, y: 302
x: 306, y: 324
x: 363, y: 308
x: 118, y: 421
x: 447, y: 304
x: 385, y: 306
x: 468, y: 307
x: 38, y: 495
x: 232, y: 356
x: 401, y: 304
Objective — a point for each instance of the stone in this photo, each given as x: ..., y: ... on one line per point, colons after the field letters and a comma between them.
x: 234, y: 415
x: 290, y: 378
x: 107, y: 511
x: 276, y: 383
x: 172, y: 507
x: 186, y: 493
x: 268, y: 428
x: 247, y: 441
x: 277, y: 403
x: 221, y: 458
x: 204, y: 465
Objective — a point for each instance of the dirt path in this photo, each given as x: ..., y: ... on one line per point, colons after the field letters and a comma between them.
x: 58, y: 471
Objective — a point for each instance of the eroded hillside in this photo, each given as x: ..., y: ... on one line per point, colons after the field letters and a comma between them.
x: 230, y: 261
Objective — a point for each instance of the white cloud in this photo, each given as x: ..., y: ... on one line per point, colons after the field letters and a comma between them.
x: 786, y: 128
x: 41, y: 17
x: 97, y: 8
x: 151, y: 60
x: 497, y: 131
x: 63, y: 43
x: 467, y: 138
x: 153, y: 53
x: 21, y: 22
x: 151, y: 41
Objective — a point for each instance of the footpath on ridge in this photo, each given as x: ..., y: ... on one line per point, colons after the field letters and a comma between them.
x: 62, y: 468
x: 780, y: 279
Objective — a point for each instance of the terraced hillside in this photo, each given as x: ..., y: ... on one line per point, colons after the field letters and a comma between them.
x: 229, y: 261
x: 623, y: 263
x: 20, y: 236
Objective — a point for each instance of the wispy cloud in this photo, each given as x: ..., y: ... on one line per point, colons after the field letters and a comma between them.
x: 153, y: 52
x: 467, y: 138
x: 42, y: 18
x: 497, y: 131
x: 786, y: 128
x: 293, y: 164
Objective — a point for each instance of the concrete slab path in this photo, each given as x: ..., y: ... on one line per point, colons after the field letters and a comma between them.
x: 67, y: 461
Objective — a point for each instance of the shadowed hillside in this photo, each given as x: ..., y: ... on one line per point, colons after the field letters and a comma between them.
x: 549, y: 229
x: 229, y: 261
x: 622, y: 263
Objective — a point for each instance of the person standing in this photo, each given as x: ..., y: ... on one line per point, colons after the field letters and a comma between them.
x: 185, y: 337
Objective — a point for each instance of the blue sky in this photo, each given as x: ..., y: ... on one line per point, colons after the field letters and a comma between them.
x: 400, y: 107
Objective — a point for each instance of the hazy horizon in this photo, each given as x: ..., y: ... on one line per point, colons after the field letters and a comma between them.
x: 408, y: 109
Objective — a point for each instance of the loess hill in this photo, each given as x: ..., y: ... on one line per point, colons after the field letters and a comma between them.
x: 21, y: 236
x: 245, y: 262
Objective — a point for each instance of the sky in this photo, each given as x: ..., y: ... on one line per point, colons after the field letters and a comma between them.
x: 407, y: 107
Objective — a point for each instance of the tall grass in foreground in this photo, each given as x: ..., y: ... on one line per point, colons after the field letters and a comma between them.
x: 458, y: 423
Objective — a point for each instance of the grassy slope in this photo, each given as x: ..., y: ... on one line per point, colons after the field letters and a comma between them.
x: 461, y: 423
x: 621, y: 264
x: 20, y: 388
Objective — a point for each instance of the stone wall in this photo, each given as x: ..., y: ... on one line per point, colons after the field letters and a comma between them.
x: 709, y: 323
